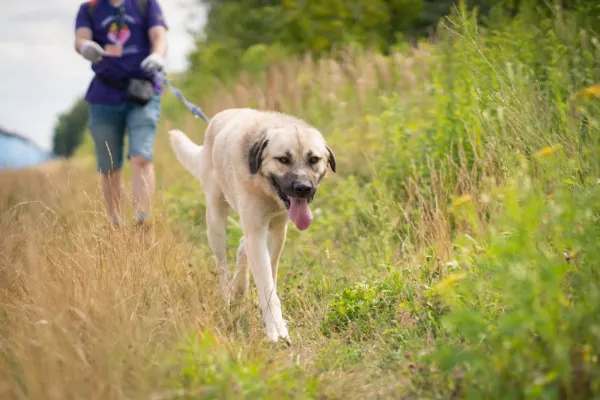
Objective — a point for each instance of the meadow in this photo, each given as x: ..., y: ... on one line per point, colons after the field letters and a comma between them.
x: 455, y: 253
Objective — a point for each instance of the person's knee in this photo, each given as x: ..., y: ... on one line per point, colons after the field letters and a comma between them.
x: 111, y: 174
x: 140, y: 162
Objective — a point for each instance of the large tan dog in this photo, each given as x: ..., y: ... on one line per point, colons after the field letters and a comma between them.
x: 266, y: 166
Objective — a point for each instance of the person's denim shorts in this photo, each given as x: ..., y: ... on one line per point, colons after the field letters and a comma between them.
x: 108, y: 124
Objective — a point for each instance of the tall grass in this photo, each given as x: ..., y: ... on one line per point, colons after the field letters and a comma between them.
x: 453, y: 256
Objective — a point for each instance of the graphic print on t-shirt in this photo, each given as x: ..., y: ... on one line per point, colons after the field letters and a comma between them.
x: 119, y: 37
x: 116, y: 37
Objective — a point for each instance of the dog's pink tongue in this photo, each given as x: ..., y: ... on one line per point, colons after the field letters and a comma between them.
x: 299, y: 213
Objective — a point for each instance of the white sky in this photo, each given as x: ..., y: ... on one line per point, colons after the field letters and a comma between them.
x: 40, y: 73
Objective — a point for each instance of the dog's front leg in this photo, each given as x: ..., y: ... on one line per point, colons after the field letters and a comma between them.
x: 255, y: 245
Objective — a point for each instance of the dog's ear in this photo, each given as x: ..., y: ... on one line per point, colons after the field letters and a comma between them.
x: 331, y: 159
x: 255, y: 154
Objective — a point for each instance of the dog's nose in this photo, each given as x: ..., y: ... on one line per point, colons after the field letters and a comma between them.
x: 302, y: 188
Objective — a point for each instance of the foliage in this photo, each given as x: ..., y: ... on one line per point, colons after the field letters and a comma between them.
x: 237, y: 30
x: 525, y: 319
x: 69, y: 130
x: 309, y: 26
x: 319, y: 26
x: 292, y: 27
x: 499, y: 159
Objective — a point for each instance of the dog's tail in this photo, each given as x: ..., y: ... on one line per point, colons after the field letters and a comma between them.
x: 188, y: 153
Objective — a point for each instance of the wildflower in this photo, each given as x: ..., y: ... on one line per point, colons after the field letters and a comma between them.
x: 592, y: 91
x: 462, y: 200
x: 546, y: 151
x: 451, y: 279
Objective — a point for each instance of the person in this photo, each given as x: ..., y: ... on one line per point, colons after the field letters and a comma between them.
x: 126, y: 42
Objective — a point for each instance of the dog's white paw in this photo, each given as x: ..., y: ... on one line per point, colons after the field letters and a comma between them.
x: 277, y: 331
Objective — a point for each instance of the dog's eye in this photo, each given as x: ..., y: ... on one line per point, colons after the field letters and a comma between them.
x: 284, y: 160
x: 314, y: 160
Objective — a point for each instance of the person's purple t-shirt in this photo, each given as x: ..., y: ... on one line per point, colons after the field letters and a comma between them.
x: 133, y: 37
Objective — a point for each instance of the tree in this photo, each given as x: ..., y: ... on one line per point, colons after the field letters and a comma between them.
x: 314, y: 26
x: 238, y: 30
x: 69, y: 130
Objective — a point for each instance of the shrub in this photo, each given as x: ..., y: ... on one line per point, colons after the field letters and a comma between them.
x: 526, y: 320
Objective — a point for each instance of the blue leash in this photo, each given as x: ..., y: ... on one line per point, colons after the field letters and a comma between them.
x: 197, y: 111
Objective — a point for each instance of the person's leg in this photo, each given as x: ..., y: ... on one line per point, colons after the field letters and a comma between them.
x: 112, y: 190
x: 107, y: 125
x: 142, y: 123
x: 142, y: 187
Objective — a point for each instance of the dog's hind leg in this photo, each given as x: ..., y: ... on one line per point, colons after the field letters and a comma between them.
x: 216, y: 224
x: 241, y: 278
x: 276, y: 240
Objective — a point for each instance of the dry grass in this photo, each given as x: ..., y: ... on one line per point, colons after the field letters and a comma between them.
x: 81, y: 305
x: 290, y: 86
x: 91, y: 312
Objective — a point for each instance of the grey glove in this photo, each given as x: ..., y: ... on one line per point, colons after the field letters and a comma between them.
x: 92, y: 51
x: 154, y: 62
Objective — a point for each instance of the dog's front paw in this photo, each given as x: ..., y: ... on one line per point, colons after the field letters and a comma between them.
x: 277, y: 331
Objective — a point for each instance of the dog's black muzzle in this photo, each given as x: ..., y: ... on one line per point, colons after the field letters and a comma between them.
x: 289, y: 186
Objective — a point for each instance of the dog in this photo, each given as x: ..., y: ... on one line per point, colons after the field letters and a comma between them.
x: 266, y: 166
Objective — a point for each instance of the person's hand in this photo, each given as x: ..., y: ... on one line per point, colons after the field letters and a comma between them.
x: 92, y: 51
x: 154, y: 62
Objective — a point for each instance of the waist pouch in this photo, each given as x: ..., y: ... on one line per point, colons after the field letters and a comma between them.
x: 139, y: 91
